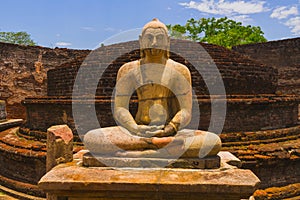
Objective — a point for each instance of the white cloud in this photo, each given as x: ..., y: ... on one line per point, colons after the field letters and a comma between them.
x: 289, y: 16
x: 88, y: 28
x: 222, y: 7
x: 109, y: 29
x: 284, y: 12
x: 241, y: 18
x: 63, y: 44
x: 294, y: 25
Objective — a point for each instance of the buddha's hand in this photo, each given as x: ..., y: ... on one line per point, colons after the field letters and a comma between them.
x: 168, y: 130
x: 143, y: 130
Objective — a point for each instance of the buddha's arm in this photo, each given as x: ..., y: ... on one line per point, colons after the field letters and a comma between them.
x: 125, y: 119
x: 183, y: 117
x: 183, y: 90
x: 124, y: 88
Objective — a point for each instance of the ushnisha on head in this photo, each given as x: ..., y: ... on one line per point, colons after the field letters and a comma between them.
x: 154, y: 39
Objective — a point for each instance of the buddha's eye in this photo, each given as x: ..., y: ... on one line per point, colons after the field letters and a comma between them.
x: 149, y: 37
x: 160, y: 37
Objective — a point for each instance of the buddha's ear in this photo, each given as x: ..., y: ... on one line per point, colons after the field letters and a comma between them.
x: 141, y: 46
x: 140, y: 39
x: 169, y: 38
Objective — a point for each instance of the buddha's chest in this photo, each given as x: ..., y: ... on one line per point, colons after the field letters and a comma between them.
x: 154, y: 92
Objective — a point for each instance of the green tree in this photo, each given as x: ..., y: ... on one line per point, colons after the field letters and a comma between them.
x: 223, y: 31
x: 21, y: 37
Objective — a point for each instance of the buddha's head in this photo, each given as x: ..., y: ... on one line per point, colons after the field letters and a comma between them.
x: 154, y: 40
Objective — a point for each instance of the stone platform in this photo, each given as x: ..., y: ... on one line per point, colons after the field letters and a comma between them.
x: 72, y: 181
x: 186, y: 163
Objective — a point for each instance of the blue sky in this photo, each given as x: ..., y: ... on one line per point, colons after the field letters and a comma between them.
x: 83, y: 24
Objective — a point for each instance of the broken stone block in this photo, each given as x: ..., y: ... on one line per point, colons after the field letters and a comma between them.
x: 59, y: 146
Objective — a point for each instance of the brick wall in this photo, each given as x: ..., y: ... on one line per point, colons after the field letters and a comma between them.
x: 23, y: 72
x: 240, y: 74
x: 284, y: 55
x: 244, y: 113
x: 282, y: 173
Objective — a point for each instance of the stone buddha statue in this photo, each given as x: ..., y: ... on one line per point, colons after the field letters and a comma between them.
x: 164, y: 92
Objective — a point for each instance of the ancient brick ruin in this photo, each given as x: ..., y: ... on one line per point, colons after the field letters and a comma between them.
x: 23, y: 72
x: 283, y: 55
x: 261, y: 126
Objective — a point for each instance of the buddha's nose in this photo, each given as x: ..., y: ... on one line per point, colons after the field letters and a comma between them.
x: 154, y: 42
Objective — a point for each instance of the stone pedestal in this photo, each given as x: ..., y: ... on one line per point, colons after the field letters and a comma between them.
x: 73, y: 182
x: 212, y: 162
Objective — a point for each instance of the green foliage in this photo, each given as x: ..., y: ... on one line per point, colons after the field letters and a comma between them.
x: 223, y: 31
x: 21, y: 37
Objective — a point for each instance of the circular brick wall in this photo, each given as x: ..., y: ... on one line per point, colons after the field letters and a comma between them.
x: 240, y: 74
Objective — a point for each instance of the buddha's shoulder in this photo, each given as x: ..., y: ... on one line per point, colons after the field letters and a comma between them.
x: 129, y: 66
x: 178, y: 66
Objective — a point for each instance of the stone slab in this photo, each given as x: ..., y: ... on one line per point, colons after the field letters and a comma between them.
x: 73, y: 181
x: 10, y: 123
x: 230, y: 159
x: 188, y: 163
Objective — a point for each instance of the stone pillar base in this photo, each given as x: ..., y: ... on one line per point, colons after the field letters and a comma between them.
x: 72, y: 181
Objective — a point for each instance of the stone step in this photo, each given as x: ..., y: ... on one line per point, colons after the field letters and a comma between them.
x: 9, y: 194
x: 10, y: 123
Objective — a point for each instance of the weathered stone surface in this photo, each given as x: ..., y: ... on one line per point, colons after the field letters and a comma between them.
x: 78, y: 182
x: 59, y: 146
x: 62, y: 131
x: 187, y: 163
x: 230, y: 159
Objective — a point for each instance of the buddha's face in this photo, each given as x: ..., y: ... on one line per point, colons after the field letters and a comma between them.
x: 154, y: 41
